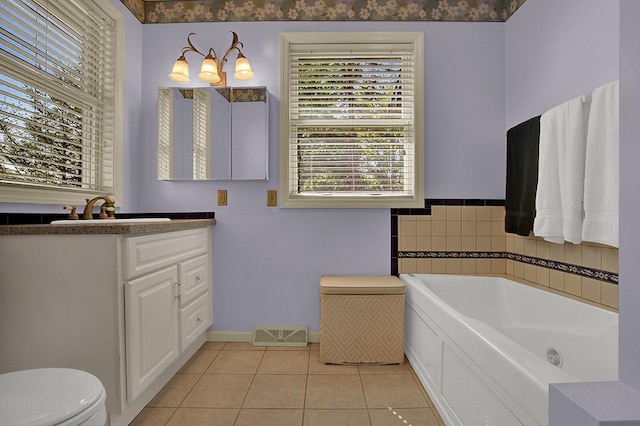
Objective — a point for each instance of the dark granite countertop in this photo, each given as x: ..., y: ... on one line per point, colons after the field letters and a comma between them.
x: 108, y: 227
x: 39, y: 224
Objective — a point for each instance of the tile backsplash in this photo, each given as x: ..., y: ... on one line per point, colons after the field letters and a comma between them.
x: 468, y: 237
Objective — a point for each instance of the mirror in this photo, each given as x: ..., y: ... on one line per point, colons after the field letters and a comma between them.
x: 209, y: 133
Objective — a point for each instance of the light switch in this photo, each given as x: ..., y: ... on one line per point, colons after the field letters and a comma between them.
x: 272, y: 198
x: 222, y: 197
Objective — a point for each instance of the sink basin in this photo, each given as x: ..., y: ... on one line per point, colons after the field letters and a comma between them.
x: 110, y: 221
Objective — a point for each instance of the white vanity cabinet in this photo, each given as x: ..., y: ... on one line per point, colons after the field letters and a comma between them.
x: 129, y: 307
x: 167, y: 308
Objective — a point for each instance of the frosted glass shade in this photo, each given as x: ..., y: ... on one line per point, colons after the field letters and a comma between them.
x: 180, y: 72
x: 243, y: 68
x: 209, y: 70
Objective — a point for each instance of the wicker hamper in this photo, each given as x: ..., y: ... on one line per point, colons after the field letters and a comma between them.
x: 361, y: 319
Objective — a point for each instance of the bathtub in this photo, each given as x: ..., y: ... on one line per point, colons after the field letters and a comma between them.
x: 486, y: 348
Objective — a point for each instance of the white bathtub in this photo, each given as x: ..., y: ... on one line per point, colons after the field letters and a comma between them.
x: 483, y: 346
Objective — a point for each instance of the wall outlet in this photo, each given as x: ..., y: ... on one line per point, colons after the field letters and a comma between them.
x: 222, y: 197
x: 272, y: 198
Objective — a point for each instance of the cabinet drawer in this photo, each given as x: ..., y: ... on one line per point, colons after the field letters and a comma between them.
x: 195, y: 318
x: 195, y: 278
x: 148, y: 253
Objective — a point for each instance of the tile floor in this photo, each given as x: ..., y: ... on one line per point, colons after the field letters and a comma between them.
x: 241, y: 384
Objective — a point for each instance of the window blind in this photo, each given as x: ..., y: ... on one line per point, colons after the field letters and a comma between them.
x: 201, y: 133
x: 165, y: 132
x: 57, y: 94
x: 351, y: 118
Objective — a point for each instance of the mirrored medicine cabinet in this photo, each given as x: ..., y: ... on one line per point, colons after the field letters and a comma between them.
x: 213, y: 133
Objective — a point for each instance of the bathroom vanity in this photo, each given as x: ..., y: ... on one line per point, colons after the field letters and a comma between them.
x: 128, y: 303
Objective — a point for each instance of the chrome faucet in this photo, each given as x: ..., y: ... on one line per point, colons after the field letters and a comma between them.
x: 107, y: 210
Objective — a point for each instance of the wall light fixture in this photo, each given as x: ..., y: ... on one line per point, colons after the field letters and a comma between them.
x: 211, y: 69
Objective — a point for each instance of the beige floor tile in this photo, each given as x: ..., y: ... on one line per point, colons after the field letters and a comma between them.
x: 213, y: 345
x: 152, y: 417
x: 398, y: 391
x: 334, y: 391
x: 413, y: 416
x: 218, y: 391
x: 314, y: 346
x: 423, y: 391
x: 253, y: 417
x: 286, y: 362
x: 172, y: 394
x: 317, y: 367
x: 276, y: 391
x: 242, y: 346
x: 200, y: 361
x: 289, y: 348
x: 385, y: 369
x: 336, y: 418
x: 203, y: 417
x: 236, y: 362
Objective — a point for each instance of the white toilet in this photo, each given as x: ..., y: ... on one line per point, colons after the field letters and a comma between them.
x: 52, y: 397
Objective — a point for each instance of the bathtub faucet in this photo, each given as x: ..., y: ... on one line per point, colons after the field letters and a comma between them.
x: 107, y: 210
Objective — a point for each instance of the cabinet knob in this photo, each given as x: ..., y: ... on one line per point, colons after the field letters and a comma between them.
x: 178, y: 297
x: 199, y: 319
x: 198, y: 277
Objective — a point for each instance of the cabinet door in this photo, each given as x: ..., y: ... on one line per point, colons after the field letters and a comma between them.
x: 151, y: 328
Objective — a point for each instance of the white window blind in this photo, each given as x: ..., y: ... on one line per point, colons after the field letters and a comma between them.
x: 351, y: 131
x: 165, y: 132
x: 201, y: 133
x: 57, y: 95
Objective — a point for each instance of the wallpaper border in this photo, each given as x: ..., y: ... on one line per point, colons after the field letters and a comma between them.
x: 181, y: 11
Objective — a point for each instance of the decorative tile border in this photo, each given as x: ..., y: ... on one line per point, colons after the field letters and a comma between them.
x: 451, y: 255
x: 583, y: 271
x: 321, y: 10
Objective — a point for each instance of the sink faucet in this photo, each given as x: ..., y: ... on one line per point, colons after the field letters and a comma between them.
x: 107, y: 210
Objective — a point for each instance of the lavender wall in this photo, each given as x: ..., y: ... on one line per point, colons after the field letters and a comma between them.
x: 629, y: 194
x: 268, y: 261
x: 556, y: 50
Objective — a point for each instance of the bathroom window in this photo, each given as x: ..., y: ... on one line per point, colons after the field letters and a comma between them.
x: 351, y: 120
x: 60, y: 103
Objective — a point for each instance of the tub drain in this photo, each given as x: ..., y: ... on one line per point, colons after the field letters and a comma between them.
x: 554, y: 357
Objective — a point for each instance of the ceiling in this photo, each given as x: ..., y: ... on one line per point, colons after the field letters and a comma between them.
x: 179, y: 11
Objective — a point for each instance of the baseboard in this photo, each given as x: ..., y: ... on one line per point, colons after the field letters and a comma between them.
x: 245, y: 336
x: 229, y: 336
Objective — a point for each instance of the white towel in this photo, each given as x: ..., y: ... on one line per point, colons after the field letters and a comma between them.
x: 559, y: 194
x: 601, y: 186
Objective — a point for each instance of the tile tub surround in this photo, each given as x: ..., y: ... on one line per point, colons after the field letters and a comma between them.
x: 237, y: 383
x: 467, y: 237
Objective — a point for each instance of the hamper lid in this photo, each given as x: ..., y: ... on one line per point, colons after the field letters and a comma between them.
x: 347, y: 284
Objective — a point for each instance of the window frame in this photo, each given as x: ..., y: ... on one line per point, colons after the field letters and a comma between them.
x: 28, y: 193
x: 288, y: 198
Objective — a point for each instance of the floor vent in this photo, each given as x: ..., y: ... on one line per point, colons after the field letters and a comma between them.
x: 280, y: 336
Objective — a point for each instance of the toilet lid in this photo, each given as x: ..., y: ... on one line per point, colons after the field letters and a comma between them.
x: 47, y: 396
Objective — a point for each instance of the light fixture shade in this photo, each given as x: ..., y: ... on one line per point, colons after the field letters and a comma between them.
x: 180, y: 72
x: 243, y: 68
x: 209, y: 70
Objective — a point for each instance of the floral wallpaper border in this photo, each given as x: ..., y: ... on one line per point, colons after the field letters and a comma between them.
x: 178, y: 11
